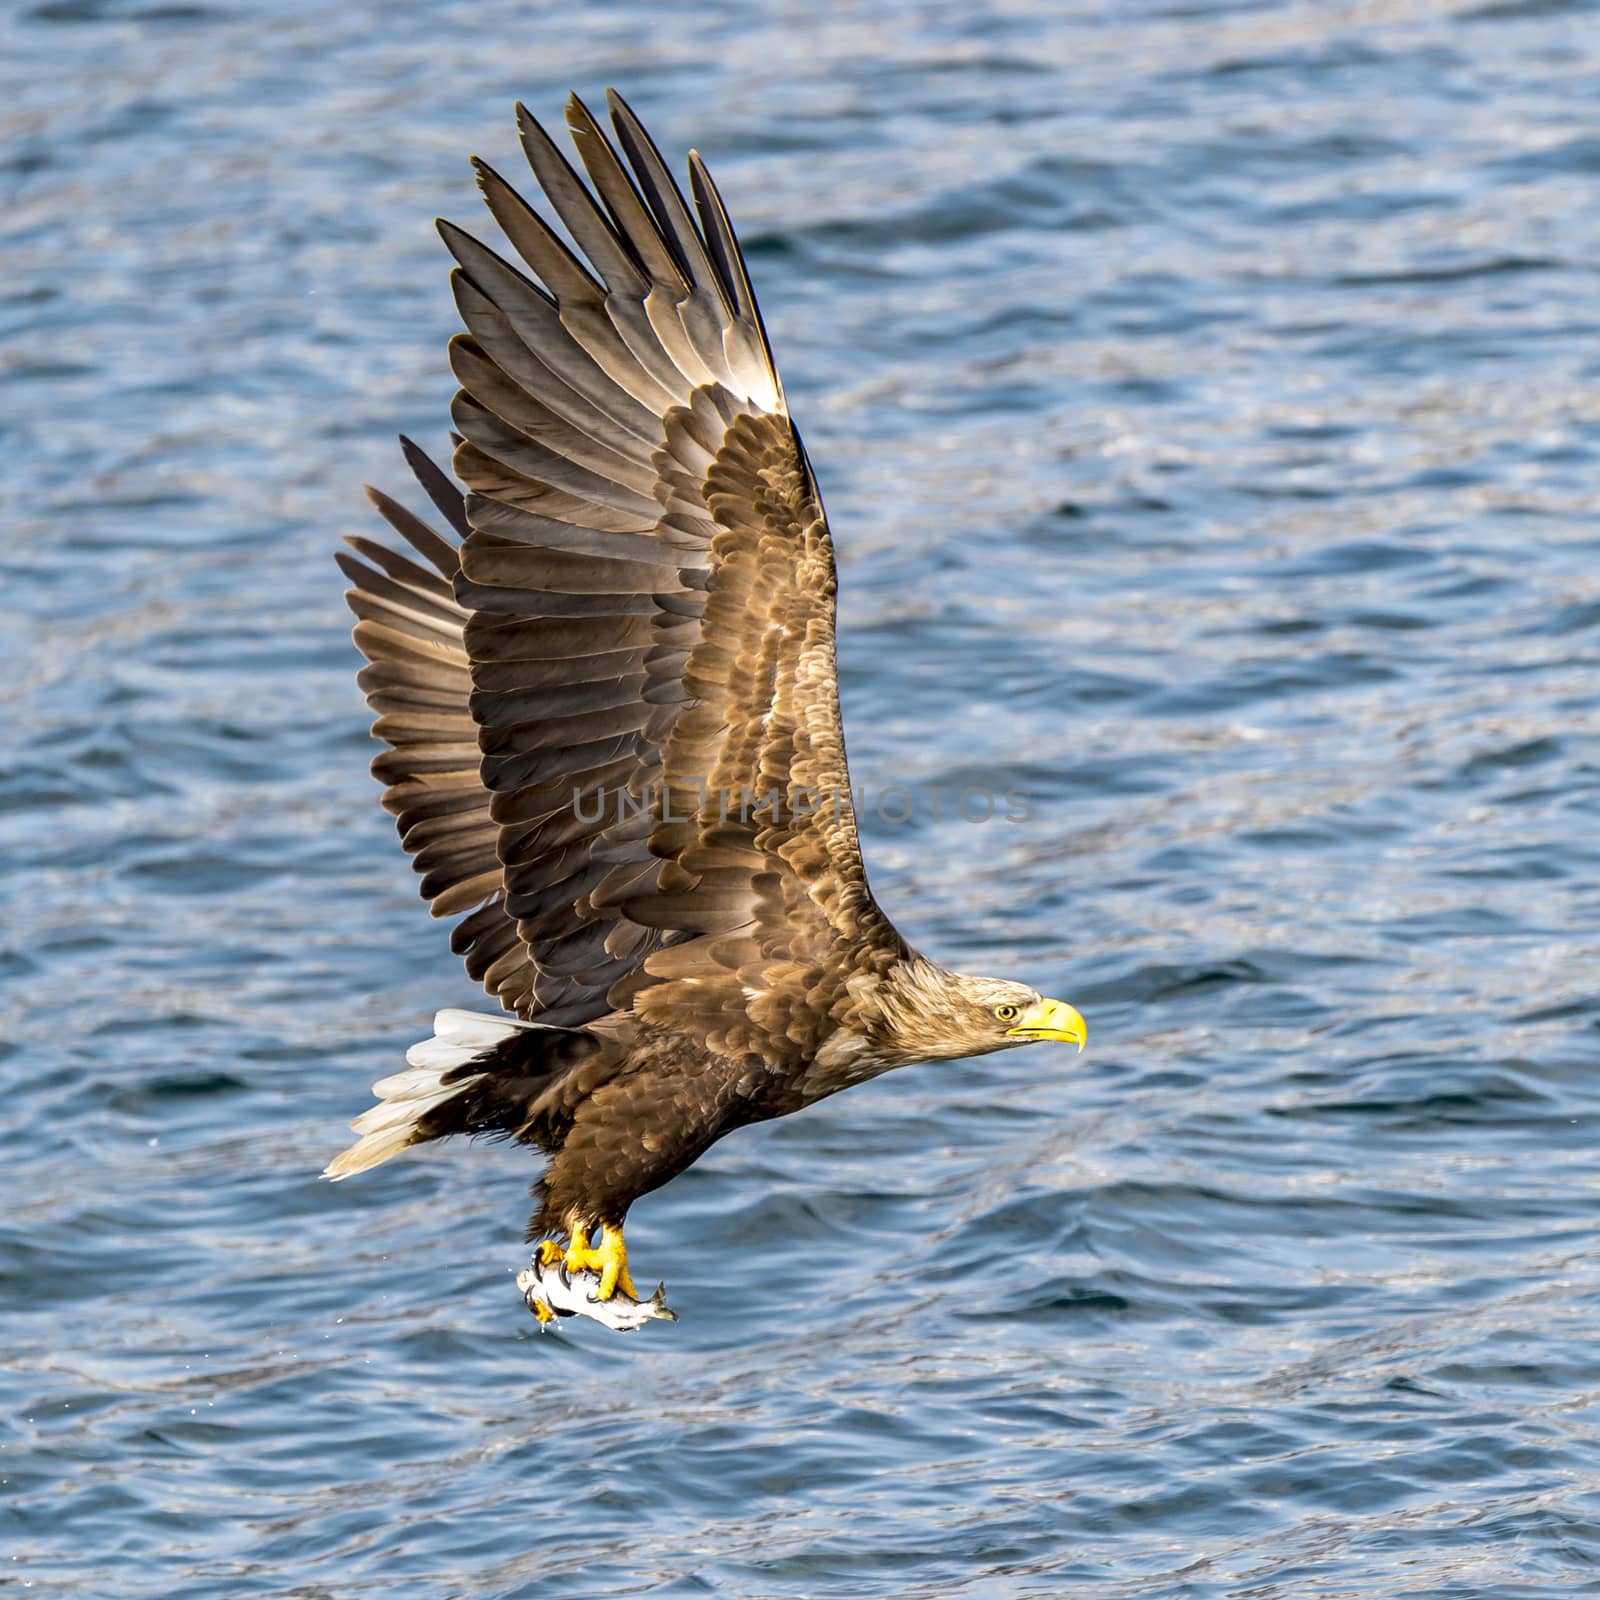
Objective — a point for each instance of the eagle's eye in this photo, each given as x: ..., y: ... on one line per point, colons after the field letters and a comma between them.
x: 1008, y: 1013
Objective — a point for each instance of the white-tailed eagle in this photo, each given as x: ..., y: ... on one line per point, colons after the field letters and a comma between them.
x: 613, y: 719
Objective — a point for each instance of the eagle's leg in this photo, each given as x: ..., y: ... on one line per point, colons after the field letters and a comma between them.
x: 577, y: 1253
x: 610, y: 1260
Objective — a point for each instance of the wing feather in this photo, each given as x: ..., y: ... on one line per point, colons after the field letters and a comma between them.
x: 418, y: 683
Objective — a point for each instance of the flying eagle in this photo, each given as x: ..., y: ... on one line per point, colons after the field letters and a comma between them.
x: 613, y: 717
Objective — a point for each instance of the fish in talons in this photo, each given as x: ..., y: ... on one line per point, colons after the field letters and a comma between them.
x: 552, y: 1291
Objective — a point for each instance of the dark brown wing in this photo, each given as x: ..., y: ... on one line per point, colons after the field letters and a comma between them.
x: 644, y: 606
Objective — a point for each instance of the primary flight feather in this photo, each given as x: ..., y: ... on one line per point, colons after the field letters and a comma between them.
x: 613, y: 719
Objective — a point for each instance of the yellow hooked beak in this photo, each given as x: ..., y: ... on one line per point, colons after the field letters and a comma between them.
x: 1051, y: 1019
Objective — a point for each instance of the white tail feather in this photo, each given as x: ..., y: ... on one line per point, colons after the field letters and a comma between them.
x: 433, y: 1056
x: 405, y: 1098
x: 476, y: 1027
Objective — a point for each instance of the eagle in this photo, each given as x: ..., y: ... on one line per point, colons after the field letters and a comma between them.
x: 611, y: 706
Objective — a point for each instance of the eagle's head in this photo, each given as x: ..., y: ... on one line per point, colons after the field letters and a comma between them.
x: 929, y: 1014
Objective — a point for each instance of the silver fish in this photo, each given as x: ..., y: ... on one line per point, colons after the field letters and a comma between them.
x: 559, y: 1293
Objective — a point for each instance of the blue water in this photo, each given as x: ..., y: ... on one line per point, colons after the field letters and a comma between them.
x: 1207, y: 401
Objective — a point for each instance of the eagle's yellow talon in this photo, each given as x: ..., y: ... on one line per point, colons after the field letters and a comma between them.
x: 610, y: 1260
x: 548, y: 1253
x: 541, y: 1311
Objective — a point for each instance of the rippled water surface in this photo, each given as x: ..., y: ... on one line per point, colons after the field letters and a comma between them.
x: 1207, y: 399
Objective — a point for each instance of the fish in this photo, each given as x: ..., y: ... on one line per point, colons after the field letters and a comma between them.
x: 552, y: 1291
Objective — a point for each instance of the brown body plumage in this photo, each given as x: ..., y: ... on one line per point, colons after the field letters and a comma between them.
x: 614, y: 717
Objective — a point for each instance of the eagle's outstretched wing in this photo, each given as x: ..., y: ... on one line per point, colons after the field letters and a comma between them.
x: 614, y: 709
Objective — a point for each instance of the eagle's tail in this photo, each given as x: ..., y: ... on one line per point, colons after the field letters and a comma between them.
x: 412, y: 1104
